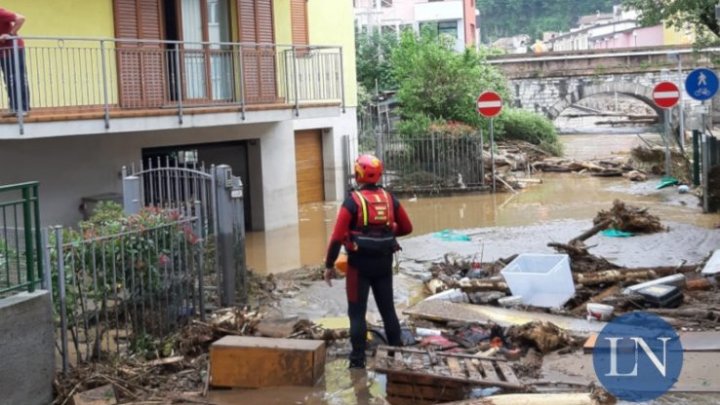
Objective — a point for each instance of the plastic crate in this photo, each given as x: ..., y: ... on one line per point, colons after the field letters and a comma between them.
x: 542, y: 280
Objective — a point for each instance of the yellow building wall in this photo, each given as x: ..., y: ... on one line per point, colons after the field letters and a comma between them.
x: 77, y: 18
x: 675, y: 36
x: 283, y: 28
x: 331, y: 22
x: 68, y: 72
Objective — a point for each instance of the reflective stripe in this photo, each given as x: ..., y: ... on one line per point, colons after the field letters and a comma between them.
x: 364, y: 208
x: 390, y: 206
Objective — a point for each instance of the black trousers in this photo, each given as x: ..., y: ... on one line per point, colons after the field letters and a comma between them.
x: 364, y: 274
x: 7, y: 65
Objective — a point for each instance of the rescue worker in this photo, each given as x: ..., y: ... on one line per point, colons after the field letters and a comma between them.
x: 367, y: 225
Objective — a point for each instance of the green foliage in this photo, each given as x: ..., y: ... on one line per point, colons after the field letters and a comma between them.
x: 698, y: 15
x: 505, y: 18
x: 523, y: 125
x: 372, y: 54
x: 437, y: 83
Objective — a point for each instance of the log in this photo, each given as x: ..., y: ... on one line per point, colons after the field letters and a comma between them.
x: 531, y: 399
x: 629, y: 275
x: 590, y: 232
x: 479, y: 285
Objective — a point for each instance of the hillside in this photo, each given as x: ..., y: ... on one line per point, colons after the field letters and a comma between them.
x: 503, y: 18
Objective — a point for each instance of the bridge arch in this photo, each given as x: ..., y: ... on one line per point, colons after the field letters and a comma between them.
x: 634, y: 90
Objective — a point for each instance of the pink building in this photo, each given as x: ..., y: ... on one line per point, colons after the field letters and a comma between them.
x: 629, y: 38
x: 456, y: 18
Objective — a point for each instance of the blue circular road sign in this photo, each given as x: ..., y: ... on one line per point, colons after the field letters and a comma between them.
x: 701, y: 84
x: 638, y: 357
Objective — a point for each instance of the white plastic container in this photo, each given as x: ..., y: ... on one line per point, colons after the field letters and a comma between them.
x: 542, y: 280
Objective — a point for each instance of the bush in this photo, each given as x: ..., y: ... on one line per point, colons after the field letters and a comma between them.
x: 527, y: 126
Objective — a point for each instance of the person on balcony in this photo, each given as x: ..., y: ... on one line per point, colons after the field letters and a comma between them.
x: 367, y: 226
x: 10, y: 24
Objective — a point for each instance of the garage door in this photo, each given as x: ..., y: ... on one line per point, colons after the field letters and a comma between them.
x: 309, y: 166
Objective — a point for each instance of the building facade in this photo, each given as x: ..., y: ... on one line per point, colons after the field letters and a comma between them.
x: 455, y: 18
x: 265, y: 86
x: 617, y: 30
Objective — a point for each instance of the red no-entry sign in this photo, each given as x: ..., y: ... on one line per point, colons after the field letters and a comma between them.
x: 489, y: 104
x: 666, y: 94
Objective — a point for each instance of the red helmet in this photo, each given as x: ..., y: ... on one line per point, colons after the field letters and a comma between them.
x: 368, y: 169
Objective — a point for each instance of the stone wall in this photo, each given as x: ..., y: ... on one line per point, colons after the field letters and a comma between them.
x: 26, y: 349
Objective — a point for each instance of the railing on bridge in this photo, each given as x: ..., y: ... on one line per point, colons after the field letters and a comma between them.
x: 104, y: 76
x: 21, y: 267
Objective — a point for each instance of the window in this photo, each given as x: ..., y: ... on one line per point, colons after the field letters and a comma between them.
x: 448, y: 28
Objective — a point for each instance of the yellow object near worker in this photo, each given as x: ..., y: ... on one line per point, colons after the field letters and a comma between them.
x: 341, y: 263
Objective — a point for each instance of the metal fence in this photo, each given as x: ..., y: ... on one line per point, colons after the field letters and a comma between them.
x: 109, y: 75
x: 432, y: 164
x: 21, y: 267
x: 706, y: 167
x: 120, y: 291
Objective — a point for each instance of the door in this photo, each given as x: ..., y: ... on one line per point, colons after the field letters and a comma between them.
x: 206, y: 69
x: 309, y: 168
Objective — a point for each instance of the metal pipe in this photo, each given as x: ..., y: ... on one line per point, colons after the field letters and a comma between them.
x: 106, y: 97
x: 178, y: 83
x: 342, y: 80
x: 61, y: 297
x: 680, y: 104
x: 295, y: 74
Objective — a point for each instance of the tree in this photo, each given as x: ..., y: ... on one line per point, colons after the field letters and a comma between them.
x: 437, y: 83
x: 505, y: 18
x: 372, y: 52
x: 698, y: 14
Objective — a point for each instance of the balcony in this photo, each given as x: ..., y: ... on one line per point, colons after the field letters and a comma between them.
x: 108, y: 80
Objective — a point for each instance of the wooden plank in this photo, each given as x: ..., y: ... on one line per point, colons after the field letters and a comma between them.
x: 426, y: 392
x: 428, y: 380
x: 457, y: 355
x: 472, y: 372
x: 490, y: 373
x: 455, y: 369
x: 508, y: 373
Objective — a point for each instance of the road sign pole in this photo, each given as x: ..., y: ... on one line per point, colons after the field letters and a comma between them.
x: 492, y: 150
x: 705, y: 160
x: 681, y: 110
x: 666, y: 138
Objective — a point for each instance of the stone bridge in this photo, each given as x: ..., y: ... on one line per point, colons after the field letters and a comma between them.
x: 549, y: 83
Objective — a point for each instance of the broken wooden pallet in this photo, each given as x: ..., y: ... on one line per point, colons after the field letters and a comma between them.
x: 416, y: 376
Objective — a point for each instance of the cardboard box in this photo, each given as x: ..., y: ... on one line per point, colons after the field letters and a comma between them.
x: 251, y: 362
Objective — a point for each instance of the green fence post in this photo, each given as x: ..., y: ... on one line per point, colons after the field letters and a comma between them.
x: 27, y: 222
x: 696, y: 157
x: 38, y: 235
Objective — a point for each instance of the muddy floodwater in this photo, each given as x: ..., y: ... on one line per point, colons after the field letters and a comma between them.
x: 500, y: 225
x: 560, y: 197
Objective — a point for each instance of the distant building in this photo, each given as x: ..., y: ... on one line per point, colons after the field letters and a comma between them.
x: 455, y: 18
x: 620, y: 29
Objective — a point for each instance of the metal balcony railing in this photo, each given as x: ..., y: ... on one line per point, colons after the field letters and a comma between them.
x: 106, y: 76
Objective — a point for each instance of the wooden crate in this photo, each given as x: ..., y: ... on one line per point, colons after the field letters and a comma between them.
x: 426, y: 377
x: 250, y: 362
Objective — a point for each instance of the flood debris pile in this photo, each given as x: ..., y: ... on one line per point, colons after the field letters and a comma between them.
x: 609, y: 167
x: 475, y: 308
x: 175, y: 370
x: 650, y: 158
x: 627, y: 218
